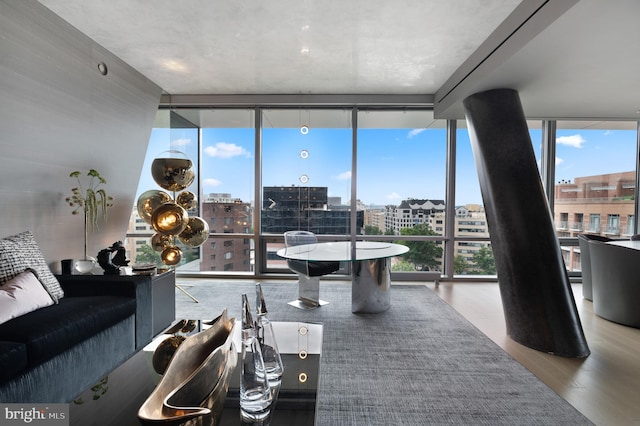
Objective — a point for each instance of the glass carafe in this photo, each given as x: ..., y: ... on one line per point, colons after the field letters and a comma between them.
x: 255, y: 394
x: 267, y: 339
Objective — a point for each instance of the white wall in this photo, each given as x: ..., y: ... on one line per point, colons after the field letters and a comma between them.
x: 58, y: 114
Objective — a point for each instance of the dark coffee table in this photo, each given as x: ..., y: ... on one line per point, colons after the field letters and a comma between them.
x: 116, y: 400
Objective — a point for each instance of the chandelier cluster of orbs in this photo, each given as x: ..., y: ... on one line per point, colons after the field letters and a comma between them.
x: 167, y: 214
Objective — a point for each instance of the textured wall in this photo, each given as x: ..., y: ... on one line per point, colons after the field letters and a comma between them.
x: 58, y: 113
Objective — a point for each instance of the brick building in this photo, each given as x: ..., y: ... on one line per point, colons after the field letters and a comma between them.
x: 599, y: 204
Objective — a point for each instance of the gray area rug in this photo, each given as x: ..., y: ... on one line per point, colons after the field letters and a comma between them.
x: 419, y: 363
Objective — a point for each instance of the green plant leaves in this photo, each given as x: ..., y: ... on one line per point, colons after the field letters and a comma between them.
x: 93, y: 200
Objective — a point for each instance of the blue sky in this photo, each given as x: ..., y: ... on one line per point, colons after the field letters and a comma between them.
x: 593, y: 152
x: 393, y: 164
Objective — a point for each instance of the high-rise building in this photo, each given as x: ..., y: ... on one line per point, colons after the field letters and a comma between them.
x: 286, y: 208
x: 227, y: 215
x: 470, y: 221
x: 137, y: 235
x: 409, y: 213
x: 600, y: 204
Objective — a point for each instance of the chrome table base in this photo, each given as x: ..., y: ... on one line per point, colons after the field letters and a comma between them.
x: 371, y: 286
x: 308, y: 293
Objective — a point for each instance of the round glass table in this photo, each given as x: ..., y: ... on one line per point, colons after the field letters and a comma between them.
x: 371, y: 271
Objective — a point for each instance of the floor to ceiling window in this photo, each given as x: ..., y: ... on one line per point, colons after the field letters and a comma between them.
x: 220, y: 143
x: 306, y: 168
x: 264, y: 170
x: 472, y: 246
x: 173, y: 136
x: 306, y: 174
x: 401, y: 182
x: 595, y: 174
x: 227, y: 177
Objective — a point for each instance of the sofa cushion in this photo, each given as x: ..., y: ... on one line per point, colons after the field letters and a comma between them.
x: 50, y: 331
x: 22, y: 294
x: 19, y: 252
x: 13, y: 359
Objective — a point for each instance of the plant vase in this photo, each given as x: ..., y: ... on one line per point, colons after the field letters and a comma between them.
x: 92, y: 200
x: 86, y: 264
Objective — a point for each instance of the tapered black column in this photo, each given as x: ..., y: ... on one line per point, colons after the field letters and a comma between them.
x: 536, y: 294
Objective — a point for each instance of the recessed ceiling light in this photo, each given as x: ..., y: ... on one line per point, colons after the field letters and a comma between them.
x: 174, y: 65
x: 304, y: 51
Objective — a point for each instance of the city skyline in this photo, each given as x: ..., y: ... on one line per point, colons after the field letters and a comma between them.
x: 393, y: 164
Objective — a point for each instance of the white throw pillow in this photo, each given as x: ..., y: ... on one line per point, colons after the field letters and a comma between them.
x: 22, y: 294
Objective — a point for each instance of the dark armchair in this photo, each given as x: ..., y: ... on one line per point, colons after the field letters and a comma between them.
x: 585, y: 260
x: 615, y: 272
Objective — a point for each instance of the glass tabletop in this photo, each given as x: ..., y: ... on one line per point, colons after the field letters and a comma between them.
x: 625, y: 243
x: 116, y: 399
x: 341, y: 251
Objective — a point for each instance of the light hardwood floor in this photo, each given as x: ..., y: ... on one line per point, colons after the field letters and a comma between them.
x: 605, y: 386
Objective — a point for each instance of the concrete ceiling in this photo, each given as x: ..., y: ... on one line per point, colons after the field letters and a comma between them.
x: 568, y: 59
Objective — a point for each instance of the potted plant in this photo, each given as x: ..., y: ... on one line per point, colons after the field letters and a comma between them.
x: 91, y: 200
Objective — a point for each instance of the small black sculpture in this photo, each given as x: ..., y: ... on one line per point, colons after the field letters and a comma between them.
x: 110, y: 265
x: 120, y: 258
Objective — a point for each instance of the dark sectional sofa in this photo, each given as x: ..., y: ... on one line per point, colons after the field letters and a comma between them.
x: 54, y: 353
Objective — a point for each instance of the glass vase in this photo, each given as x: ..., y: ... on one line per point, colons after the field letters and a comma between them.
x: 255, y: 394
x: 268, y: 345
x: 86, y: 264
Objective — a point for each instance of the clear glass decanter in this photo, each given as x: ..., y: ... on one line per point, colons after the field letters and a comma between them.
x: 267, y: 339
x: 255, y: 394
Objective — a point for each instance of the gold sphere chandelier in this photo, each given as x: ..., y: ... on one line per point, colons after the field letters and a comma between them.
x: 169, y: 219
x: 167, y: 214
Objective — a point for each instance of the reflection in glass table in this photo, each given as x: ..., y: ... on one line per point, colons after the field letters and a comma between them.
x: 116, y: 400
x: 371, y: 272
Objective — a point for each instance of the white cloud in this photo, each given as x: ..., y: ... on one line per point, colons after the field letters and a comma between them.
x: 415, y: 132
x: 211, y: 182
x: 180, y: 142
x: 559, y: 160
x: 226, y: 150
x: 575, y: 141
x: 394, y: 196
x: 344, y: 175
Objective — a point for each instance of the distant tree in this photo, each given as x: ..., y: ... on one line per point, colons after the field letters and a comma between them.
x: 423, y: 254
x: 188, y: 255
x: 484, y: 262
x: 388, y: 232
x: 403, y: 266
x: 372, y: 230
x: 146, y: 254
x: 460, y: 265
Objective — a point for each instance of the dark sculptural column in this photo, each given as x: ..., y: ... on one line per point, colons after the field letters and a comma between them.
x: 539, y: 308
